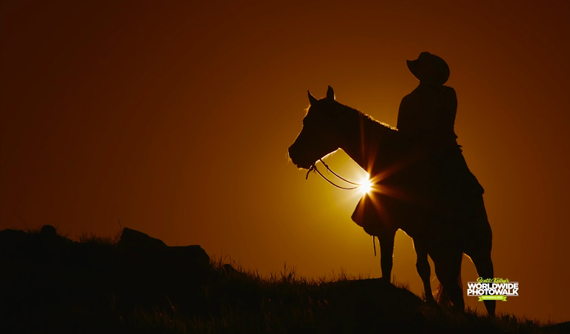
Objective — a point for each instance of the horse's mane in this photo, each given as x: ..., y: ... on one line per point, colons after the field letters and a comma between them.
x: 375, y: 124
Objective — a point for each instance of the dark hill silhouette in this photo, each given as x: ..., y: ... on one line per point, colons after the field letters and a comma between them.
x: 51, y: 284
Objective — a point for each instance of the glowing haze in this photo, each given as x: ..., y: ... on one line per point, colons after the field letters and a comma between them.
x: 175, y: 119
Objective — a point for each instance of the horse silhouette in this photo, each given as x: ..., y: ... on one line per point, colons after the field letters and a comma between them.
x: 401, y: 199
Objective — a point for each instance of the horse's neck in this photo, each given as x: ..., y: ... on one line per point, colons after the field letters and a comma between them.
x: 362, y: 139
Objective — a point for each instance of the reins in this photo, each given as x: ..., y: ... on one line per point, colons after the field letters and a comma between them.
x: 314, y: 168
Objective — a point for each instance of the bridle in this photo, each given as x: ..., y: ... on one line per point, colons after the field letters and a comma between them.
x: 314, y: 168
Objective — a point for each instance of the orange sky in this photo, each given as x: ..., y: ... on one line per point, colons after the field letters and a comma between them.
x: 175, y: 119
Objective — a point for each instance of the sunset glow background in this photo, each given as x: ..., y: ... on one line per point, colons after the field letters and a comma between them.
x: 174, y: 118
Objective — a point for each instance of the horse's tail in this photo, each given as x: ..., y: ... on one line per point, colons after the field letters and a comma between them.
x: 443, y: 297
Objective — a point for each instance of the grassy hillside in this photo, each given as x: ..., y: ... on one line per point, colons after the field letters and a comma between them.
x: 63, y: 286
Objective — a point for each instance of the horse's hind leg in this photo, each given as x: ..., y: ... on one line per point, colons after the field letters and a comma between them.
x: 479, y: 249
x: 484, y: 266
x: 424, y: 270
x: 386, y: 240
x: 447, y: 262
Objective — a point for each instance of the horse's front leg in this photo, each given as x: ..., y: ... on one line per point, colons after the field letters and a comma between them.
x: 387, y: 253
x: 424, y: 269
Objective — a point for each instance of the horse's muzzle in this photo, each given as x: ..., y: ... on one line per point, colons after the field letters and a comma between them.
x: 300, y: 160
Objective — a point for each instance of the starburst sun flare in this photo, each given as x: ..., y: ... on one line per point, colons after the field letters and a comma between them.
x: 365, y: 185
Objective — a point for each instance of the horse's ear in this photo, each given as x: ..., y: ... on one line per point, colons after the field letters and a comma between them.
x: 312, y: 99
x: 330, y: 94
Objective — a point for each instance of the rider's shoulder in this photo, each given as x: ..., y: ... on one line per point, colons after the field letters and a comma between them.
x: 448, y: 89
x: 427, y: 91
x: 408, y: 99
x: 449, y: 92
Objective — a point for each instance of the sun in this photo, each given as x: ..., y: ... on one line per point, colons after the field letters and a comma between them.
x: 365, y: 185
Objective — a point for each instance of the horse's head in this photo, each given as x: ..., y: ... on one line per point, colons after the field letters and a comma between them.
x: 320, y: 134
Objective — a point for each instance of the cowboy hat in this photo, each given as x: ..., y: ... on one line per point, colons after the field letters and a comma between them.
x: 429, y: 68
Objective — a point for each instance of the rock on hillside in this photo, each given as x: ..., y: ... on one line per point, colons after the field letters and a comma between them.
x: 149, y: 261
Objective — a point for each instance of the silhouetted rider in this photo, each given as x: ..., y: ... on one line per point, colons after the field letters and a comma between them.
x: 427, y: 114
x: 426, y: 119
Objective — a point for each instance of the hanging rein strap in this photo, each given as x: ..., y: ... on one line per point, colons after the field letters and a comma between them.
x: 314, y: 168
